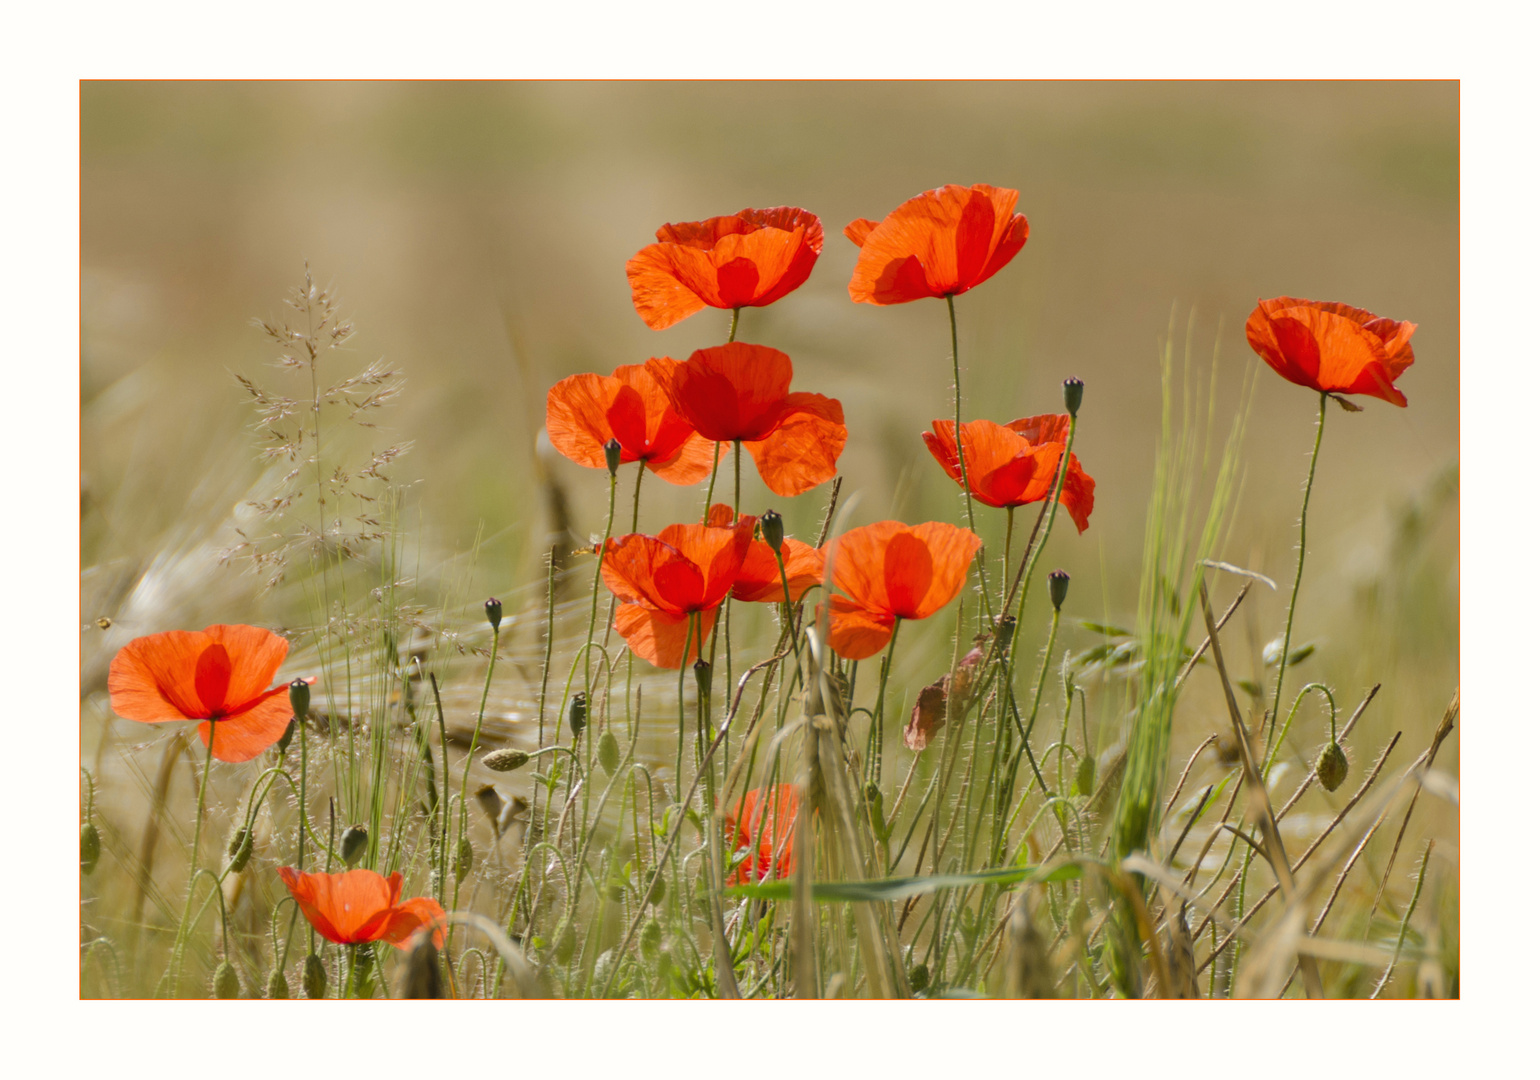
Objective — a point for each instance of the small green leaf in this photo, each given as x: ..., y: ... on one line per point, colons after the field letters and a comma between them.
x: 905, y: 887
x: 1102, y: 628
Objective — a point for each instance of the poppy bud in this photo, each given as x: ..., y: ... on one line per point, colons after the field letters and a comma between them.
x: 609, y: 752
x: 239, y: 850
x: 299, y: 698
x: 919, y: 978
x: 286, y: 738
x: 226, y: 984
x: 703, y: 677
x: 354, y: 839
x: 494, y: 608
x: 566, y: 945
x: 278, y: 985
x: 313, y: 981
x: 1005, y: 630
x: 612, y: 456
x: 1058, y: 588
x: 652, y: 940
x: 1085, y: 775
x: 773, y: 529
x: 505, y: 760
x: 577, y: 713
x: 658, y: 891
x: 90, y: 847
x: 1074, y: 390
x: 420, y: 977
x: 463, y: 857
x: 1332, y: 766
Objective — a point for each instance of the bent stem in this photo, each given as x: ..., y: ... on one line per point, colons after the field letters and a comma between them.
x: 1299, y: 573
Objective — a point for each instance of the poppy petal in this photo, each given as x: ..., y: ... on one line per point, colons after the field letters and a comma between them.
x: 856, y: 632
x: 759, y: 580
x: 659, y: 637
x: 646, y: 570
x: 243, y: 735
x: 804, y: 449
x: 151, y: 678
x: 577, y: 417
x: 716, y: 551
x: 859, y: 229
x: 411, y: 916
x: 660, y: 297
x: 731, y: 392
x: 951, y: 552
x: 344, y: 908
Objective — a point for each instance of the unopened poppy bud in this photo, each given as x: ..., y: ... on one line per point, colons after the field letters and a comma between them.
x: 612, y: 456
x: 227, y: 984
x: 239, y: 850
x: 1058, y: 588
x: 1074, y: 390
x: 919, y: 978
x: 286, y: 738
x: 1085, y: 775
x: 773, y: 529
x: 609, y: 752
x: 566, y: 945
x: 652, y: 940
x: 313, y: 981
x: 1005, y: 631
x: 658, y: 891
x: 505, y: 760
x: 494, y: 608
x: 278, y: 985
x: 299, y: 698
x: 355, y: 838
x: 464, y: 855
x: 703, y: 677
x: 90, y: 847
x: 577, y: 713
x: 1331, y: 767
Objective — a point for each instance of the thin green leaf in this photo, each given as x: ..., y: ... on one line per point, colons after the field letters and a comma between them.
x: 905, y: 887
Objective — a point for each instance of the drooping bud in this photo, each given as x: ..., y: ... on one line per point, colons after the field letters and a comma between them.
x: 313, y: 981
x: 1331, y: 767
x: 1074, y: 390
x: 1058, y: 588
x: 658, y: 891
x: 652, y: 940
x: 703, y: 677
x: 464, y: 855
x: 494, y: 608
x: 609, y: 752
x: 239, y: 850
x: 773, y: 529
x: 278, y: 985
x: 919, y: 978
x: 90, y: 847
x: 1085, y: 775
x: 299, y: 699
x: 1005, y: 631
x: 286, y: 738
x: 612, y: 456
x: 577, y: 713
x: 506, y: 760
x: 355, y: 838
x: 227, y: 985
x: 566, y: 945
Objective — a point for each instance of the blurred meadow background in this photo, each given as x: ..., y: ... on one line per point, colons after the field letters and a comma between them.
x: 477, y: 234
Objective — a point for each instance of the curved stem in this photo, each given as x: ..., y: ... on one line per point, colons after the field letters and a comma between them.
x: 1299, y: 573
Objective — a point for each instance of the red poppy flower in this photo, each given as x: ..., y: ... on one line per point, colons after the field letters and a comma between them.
x: 939, y: 243
x: 1016, y: 463
x: 662, y: 580
x: 765, y: 822
x: 759, y: 578
x: 584, y: 412
x: 219, y: 674
x: 890, y: 571
x: 1332, y: 348
x: 750, y: 259
x: 359, y: 905
x: 741, y: 393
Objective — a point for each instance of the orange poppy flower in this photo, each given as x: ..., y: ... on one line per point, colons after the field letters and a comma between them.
x: 759, y: 578
x: 891, y: 571
x: 741, y: 393
x: 765, y: 823
x: 584, y: 412
x: 219, y: 674
x: 939, y: 243
x: 662, y: 580
x: 1016, y: 463
x: 750, y: 259
x: 359, y: 905
x: 1332, y: 348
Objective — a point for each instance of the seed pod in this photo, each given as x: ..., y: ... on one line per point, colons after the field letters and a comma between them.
x: 239, y: 850
x: 1085, y: 775
x: 1331, y: 767
x: 286, y: 738
x: 278, y: 985
x: 299, y: 698
x: 355, y: 838
x: 90, y: 847
x: 463, y: 858
x: 1058, y: 588
x: 652, y: 940
x: 609, y: 752
x: 612, y: 456
x: 227, y: 985
x: 1074, y: 391
x: 703, y: 677
x: 505, y: 760
x: 313, y: 981
x: 494, y: 608
x: 772, y: 528
x: 577, y: 713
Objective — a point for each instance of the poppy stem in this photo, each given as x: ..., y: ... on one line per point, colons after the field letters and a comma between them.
x: 470, y: 753
x: 962, y: 457
x: 689, y: 636
x: 192, y: 881
x: 636, y: 493
x: 1005, y: 559
x: 1299, y: 573
x: 732, y: 328
x: 716, y: 459
x: 882, y: 692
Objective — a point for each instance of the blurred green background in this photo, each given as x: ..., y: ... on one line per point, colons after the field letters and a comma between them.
x: 478, y: 234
